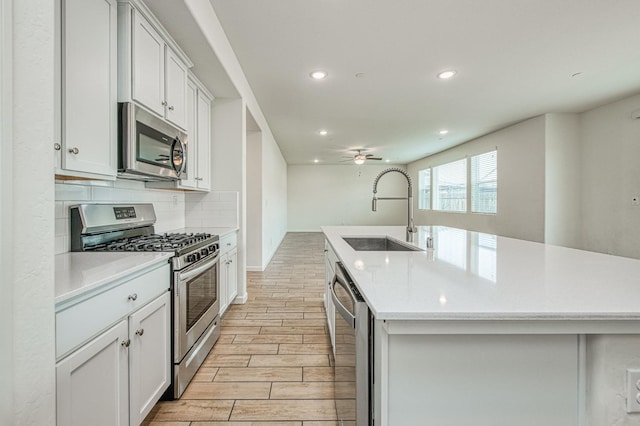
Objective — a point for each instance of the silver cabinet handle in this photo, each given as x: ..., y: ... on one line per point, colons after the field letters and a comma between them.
x: 74, y: 150
x: 57, y: 146
x: 171, y: 108
x: 140, y: 332
x: 133, y: 296
x: 125, y: 343
x: 164, y: 103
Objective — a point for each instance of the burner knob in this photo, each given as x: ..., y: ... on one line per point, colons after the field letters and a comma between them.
x: 193, y: 257
x: 212, y: 248
x: 204, y: 251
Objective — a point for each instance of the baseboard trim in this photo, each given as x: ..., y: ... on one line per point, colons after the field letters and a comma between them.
x: 240, y: 300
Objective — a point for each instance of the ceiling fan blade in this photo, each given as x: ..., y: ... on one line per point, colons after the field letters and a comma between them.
x: 374, y: 158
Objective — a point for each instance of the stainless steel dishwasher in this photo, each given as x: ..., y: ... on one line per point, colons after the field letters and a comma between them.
x: 353, y: 379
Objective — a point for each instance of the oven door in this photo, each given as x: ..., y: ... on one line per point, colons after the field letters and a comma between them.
x: 196, y: 303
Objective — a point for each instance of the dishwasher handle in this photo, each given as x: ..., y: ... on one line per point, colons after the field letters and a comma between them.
x: 339, y: 278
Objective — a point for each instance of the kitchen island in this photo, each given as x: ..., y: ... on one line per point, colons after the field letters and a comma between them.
x: 489, y: 330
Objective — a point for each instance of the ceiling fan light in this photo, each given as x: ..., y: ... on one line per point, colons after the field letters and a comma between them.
x: 359, y: 159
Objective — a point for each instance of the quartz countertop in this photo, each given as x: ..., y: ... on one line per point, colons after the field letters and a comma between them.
x: 470, y: 275
x: 78, y: 272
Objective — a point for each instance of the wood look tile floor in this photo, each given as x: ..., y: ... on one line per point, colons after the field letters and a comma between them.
x: 272, y: 363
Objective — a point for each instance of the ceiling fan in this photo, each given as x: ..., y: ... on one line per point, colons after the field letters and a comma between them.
x: 360, y: 158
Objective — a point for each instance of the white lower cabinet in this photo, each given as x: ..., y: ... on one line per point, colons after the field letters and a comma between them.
x: 92, y: 384
x: 114, y: 377
x: 228, y: 271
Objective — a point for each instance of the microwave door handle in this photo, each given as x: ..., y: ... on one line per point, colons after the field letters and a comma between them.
x: 183, y: 148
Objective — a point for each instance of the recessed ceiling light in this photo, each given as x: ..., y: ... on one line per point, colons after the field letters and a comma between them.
x: 444, y: 131
x: 323, y: 132
x: 319, y: 75
x: 316, y: 161
x: 446, y: 74
x: 387, y: 161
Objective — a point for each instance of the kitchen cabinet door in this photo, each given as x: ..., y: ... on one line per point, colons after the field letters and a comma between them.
x: 92, y: 386
x: 149, y: 356
x: 88, y: 93
x: 232, y: 276
x: 224, y: 279
x: 148, y: 66
x: 204, y: 141
x: 176, y: 90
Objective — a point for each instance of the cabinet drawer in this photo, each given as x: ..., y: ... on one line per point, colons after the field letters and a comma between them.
x: 80, y: 322
x: 228, y: 242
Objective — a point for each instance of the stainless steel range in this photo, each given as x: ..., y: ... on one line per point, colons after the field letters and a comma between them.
x: 195, y: 274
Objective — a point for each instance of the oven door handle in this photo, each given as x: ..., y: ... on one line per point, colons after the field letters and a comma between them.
x: 184, y: 276
x: 344, y: 312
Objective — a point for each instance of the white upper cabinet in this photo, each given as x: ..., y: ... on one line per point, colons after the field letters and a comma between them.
x: 147, y: 65
x: 152, y: 70
x: 176, y: 90
x: 87, y: 89
x: 203, y: 133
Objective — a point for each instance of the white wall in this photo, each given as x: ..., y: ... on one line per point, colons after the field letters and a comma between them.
x: 254, y: 201
x: 274, y: 198
x: 521, y: 182
x: 610, y: 142
x: 6, y: 216
x: 29, y: 204
x: 320, y: 195
x: 563, y: 219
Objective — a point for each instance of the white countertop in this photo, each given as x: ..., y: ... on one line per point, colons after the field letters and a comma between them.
x: 470, y: 275
x: 78, y: 272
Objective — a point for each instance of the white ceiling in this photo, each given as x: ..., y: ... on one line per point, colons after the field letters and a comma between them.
x: 515, y: 59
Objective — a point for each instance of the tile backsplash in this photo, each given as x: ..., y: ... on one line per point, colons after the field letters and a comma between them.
x: 217, y: 208
x: 214, y: 209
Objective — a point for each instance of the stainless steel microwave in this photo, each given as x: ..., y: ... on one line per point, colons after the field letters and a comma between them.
x: 149, y: 148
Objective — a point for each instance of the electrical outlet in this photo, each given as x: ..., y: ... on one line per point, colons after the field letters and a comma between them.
x: 633, y: 391
x: 635, y: 200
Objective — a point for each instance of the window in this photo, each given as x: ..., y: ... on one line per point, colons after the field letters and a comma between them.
x: 450, y: 186
x: 484, y: 183
x: 424, y: 189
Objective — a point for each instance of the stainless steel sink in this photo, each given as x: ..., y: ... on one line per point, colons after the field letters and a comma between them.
x: 378, y: 244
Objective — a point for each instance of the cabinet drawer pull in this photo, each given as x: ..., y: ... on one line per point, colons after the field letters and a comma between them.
x: 125, y: 343
x: 57, y: 146
x: 140, y: 332
x: 133, y: 296
x: 74, y: 150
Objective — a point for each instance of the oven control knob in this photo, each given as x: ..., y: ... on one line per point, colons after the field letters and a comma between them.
x: 194, y: 257
x: 204, y: 252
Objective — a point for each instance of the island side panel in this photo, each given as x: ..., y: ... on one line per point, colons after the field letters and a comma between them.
x: 479, y: 379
